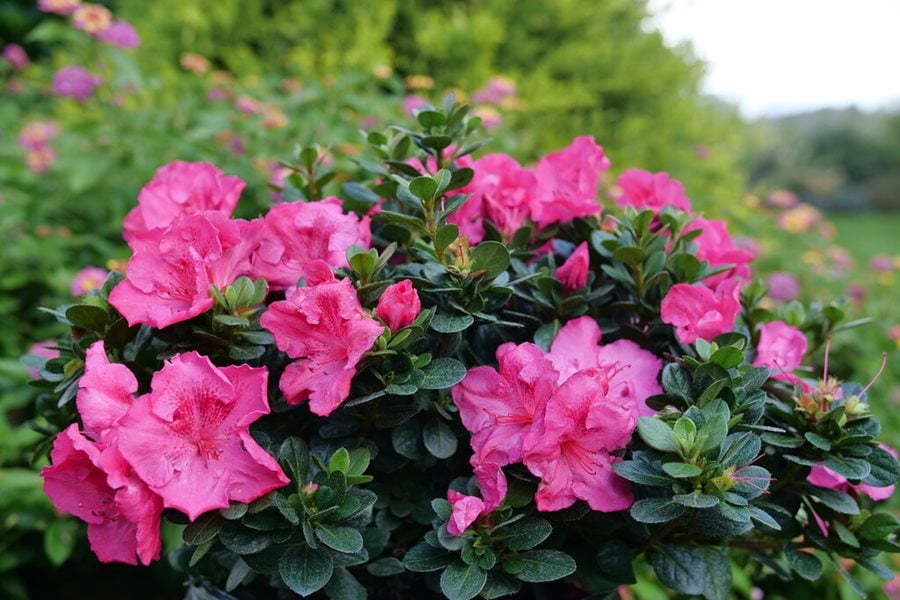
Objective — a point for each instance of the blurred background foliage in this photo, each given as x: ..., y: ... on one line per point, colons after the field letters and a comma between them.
x: 240, y: 83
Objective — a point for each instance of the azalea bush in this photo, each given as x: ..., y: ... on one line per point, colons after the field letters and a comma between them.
x: 454, y: 376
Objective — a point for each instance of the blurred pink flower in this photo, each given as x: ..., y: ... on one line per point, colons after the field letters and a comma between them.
x: 412, y: 103
x: 59, y: 7
x: 783, y: 286
x: 490, y: 117
x: 92, y: 18
x: 782, y: 199
x: 15, y: 55
x: 37, y: 134
x: 216, y: 94
x: 40, y: 160
x: 857, y: 293
x: 121, y: 35
x: 87, y: 280
x: 799, y: 219
x: 495, y: 90
x: 46, y: 350
x: 194, y: 63
x: 74, y: 82
x: 247, y: 105
x: 881, y: 262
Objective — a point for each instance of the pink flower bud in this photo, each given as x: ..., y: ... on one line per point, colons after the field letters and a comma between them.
x: 574, y: 272
x: 399, y: 305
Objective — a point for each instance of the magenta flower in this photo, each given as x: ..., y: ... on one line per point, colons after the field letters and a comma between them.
x: 567, y: 182
x: 120, y: 34
x: 715, y: 246
x: 465, y: 510
x: 783, y: 287
x: 492, y: 481
x: 75, y: 82
x: 399, y: 305
x: 105, y: 392
x: 169, y: 274
x: 16, y: 56
x: 189, y: 438
x: 781, y: 348
x: 59, y: 7
x: 87, y: 280
x: 92, y: 482
x: 297, y: 233
x: 182, y: 188
x: 496, y: 90
x: 500, y: 408
x: 502, y: 191
x: 573, y: 273
x: 699, y: 312
x: 643, y: 189
x: 325, y: 328
x: 822, y: 476
x: 412, y: 103
x: 582, y: 425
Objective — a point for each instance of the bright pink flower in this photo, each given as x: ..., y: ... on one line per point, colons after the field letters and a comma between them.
x: 632, y: 373
x: 325, y: 328
x: 59, y: 7
x: 822, y: 476
x: 715, y: 246
x: 46, y: 350
x: 567, y: 182
x: 189, y: 438
x: 169, y: 274
x: 492, y: 482
x: 465, y: 510
x: 697, y: 311
x: 75, y: 82
x: 582, y: 425
x: 87, y: 280
x: 182, y: 188
x: 15, y: 55
x: 399, y: 305
x: 297, y: 233
x: 573, y: 273
x: 120, y: 34
x: 781, y: 348
x: 502, y: 191
x: 92, y: 18
x: 643, y: 189
x: 105, y: 392
x: 500, y: 408
x: 783, y: 287
x: 37, y: 134
x: 93, y: 483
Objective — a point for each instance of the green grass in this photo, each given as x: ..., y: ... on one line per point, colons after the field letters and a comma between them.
x: 868, y: 234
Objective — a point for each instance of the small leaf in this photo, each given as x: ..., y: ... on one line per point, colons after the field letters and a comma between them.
x: 524, y: 534
x: 236, y: 576
x: 718, y: 574
x: 490, y: 257
x: 835, y: 500
x: 424, y: 557
x: 884, y: 468
x: 305, y: 570
x: 295, y: 457
x: 385, y: 567
x: 344, y: 586
x: 442, y: 373
x: 851, y: 468
x: 87, y: 316
x: 423, y: 187
x: 655, y: 510
x: 879, y: 526
x: 817, y: 440
x: 340, y: 538
x: 545, y: 565
x: 439, y: 439
x: 727, y: 357
x: 682, y: 568
x: 59, y: 540
x: 805, y: 564
x: 451, y: 323
x: 681, y: 470
x: 696, y: 500
x: 657, y: 434
x: 630, y: 255
x: 205, y: 528
x: 460, y: 581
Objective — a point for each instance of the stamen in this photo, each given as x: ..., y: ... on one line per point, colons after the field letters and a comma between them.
x: 877, y: 375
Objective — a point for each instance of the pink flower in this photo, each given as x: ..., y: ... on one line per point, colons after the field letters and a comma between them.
x: 571, y: 453
x: 822, y: 476
x: 399, y: 305
x: 497, y: 89
x: 781, y: 348
x: 492, y: 482
x: 105, y: 392
x: 783, y: 287
x: 92, y: 18
x: 412, y: 103
x: 465, y: 510
x: 59, y: 7
x: 325, y: 328
x: 714, y: 246
x: 46, y: 350
x: 502, y: 191
x: 632, y: 373
x: 296, y: 233
x: 567, y: 182
x: 182, y: 188
x: 169, y: 274
x: 120, y: 34
x: 15, y: 55
x: 247, y: 105
x: 573, y: 273
x: 500, y: 408
x: 87, y: 280
x: 189, y: 438
x: 40, y: 160
x: 698, y: 312
x: 37, y: 134
x: 75, y: 82
x: 643, y: 189
x: 93, y: 483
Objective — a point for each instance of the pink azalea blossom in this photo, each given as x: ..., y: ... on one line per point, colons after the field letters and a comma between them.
x: 105, y: 392
x: 781, y: 348
x: 189, y: 438
x: 120, y: 34
x: 699, y: 312
x: 573, y: 273
x: 502, y: 191
x: 16, y: 56
x: 500, y: 408
x: 412, y: 103
x: 93, y: 483
x: 59, y: 7
x: 582, y: 425
x: 182, y: 188
x: 715, y: 246
x: 325, y: 328
x: 46, y: 350
x: 87, y: 280
x: 399, y: 305
x: 465, y: 510
x: 567, y: 182
x: 297, y: 233
x: 168, y: 277
x: 492, y: 482
x: 783, y: 287
x: 643, y: 189
x: 822, y: 476
x: 74, y: 82
x: 497, y: 89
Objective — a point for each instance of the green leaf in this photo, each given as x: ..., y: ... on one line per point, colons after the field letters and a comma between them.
x: 205, y: 528
x: 340, y: 461
x: 630, y: 255
x: 682, y: 568
x: 442, y: 373
x: 681, y: 470
x: 676, y: 381
x: 696, y: 500
x: 851, y: 468
x: 640, y: 472
x: 655, y: 510
x: 239, y: 572
x: 657, y: 434
x: 431, y: 118
x: 440, y: 440
x: 241, y: 540
x: 727, y: 357
x: 294, y: 456
x: 490, y: 257
x: 423, y: 187
x: 879, y: 526
x: 305, y: 570
x: 817, y: 440
x: 344, y: 586
x: 385, y: 567
x: 718, y: 574
x: 499, y: 585
x: 87, y: 316
x: 524, y: 534
x: 451, y: 323
x: 884, y: 468
x: 460, y: 581
x: 59, y: 540
x: 442, y: 508
x: 446, y: 235
x: 805, y: 564
x: 545, y: 565
x: 340, y: 538
x: 424, y: 557
x: 835, y: 500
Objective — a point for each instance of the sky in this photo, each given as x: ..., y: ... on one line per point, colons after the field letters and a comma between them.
x: 781, y: 56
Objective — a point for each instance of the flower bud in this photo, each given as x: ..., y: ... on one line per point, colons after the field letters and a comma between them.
x: 399, y: 305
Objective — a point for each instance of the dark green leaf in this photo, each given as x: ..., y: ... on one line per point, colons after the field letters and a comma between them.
x: 817, y: 440
x: 490, y: 257
x: 305, y: 570
x: 835, y: 500
x: 237, y: 575
x: 676, y: 381
x: 805, y: 564
x: 718, y: 574
x: 340, y: 538
x: 681, y: 470
x: 545, y: 565
x: 241, y: 540
x: 450, y: 323
x: 640, y: 472
x: 655, y: 510
x: 440, y: 440
x: 460, y: 581
x: 682, y: 568
x: 884, y: 468
x: 295, y: 457
x: 696, y: 500
x: 630, y: 255
x: 878, y: 526
x: 424, y: 557
x: 499, y: 585
x: 727, y: 357
x: 423, y: 187
x: 442, y: 373
x: 385, y: 567
x: 524, y: 534
x: 205, y: 528
x: 851, y: 468
x: 344, y: 586
x: 87, y: 316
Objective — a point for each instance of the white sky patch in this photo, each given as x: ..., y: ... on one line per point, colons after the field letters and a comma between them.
x: 779, y: 56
